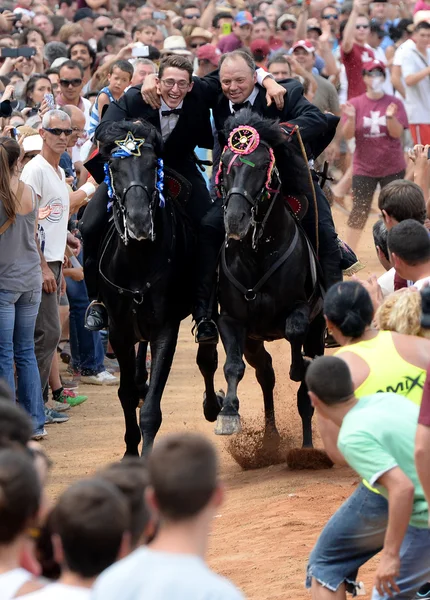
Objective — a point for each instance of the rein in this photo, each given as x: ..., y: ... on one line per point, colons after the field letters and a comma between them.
x: 250, y: 294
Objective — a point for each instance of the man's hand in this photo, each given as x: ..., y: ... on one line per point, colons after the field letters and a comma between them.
x: 326, y: 32
x: 150, y: 91
x: 332, y: 152
x: 386, y: 573
x: 49, y: 283
x: 361, y: 6
x: 372, y: 286
x: 8, y: 93
x: 74, y: 243
x: 391, y: 110
x: 274, y: 92
x: 349, y: 111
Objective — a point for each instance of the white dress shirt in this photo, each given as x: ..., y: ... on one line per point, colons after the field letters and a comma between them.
x: 168, y: 122
x: 251, y: 99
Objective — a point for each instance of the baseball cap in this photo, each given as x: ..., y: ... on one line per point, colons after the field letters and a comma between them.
x: 284, y: 18
x: 261, y: 46
x: 316, y: 28
x: 305, y: 44
x: 32, y: 143
x: 243, y: 17
x: 175, y: 44
x: 84, y: 13
x: 374, y: 64
x: 210, y: 53
x: 58, y: 62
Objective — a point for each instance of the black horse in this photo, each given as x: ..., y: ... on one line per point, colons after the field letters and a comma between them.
x: 268, y: 282
x: 145, y: 273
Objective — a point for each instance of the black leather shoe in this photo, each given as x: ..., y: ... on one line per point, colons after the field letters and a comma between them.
x: 96, y: 317
x: 206, y: 332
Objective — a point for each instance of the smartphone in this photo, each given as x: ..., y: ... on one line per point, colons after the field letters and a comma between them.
x: 140, y: 51
x: 17, y: 17
x: 50, y: 100
x: 425, y: 307
x: 159, y: 16
x: 26, y: 51
x: 428, y: 153
x: 14, y: 133
x: 226, y: 28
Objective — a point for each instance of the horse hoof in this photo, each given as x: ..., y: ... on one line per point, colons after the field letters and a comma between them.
x: 228, y: 425
x: 212, y: 409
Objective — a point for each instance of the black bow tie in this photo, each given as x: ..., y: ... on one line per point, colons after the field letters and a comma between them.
x: 239, y: 106
x: 174, y: 111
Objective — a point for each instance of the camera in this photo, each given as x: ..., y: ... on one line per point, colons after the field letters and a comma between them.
x: 425, y: 307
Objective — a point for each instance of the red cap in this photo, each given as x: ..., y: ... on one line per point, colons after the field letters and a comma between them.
x: 210, y: 53
x: 260, y: 45
x: 306, y: 44
x: 374, y: 64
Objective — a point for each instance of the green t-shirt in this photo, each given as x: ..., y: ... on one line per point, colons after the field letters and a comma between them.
x: 379, y: 434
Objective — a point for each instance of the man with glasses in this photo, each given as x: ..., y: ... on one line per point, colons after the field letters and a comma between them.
x: 71, y: 83
x: 48, y: 180
x: 355, y: 50
x: 330, y: 13
x: 191, y: 14
x: 100, y: 26
x: 286, y: 30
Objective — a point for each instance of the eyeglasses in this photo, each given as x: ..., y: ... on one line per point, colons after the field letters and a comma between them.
x: 192, y: 16
x: 170, y: 83
x: 58, y: 131
x: 70, y: 82
x: 78, y: 130
x: 362, y: 26
x: 197, y: 45
x: 288, y: 27
x: 335, y: 17
x: 104, y: 27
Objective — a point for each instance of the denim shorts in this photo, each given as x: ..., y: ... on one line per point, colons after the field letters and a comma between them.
x: 353, y: 535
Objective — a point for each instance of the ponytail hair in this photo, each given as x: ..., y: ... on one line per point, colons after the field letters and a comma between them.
x: 9, y: 154
x: 348, y: 305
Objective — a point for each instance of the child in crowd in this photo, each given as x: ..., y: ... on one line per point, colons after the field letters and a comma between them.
x: 145, y: 32
x: 119, y: 78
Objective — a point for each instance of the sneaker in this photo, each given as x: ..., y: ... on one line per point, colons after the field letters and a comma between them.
x: 60, y: 405
x: 39, y: 435
x: 103, y: 378
x: 51, y: 416
x: 423, y: 592
x: 72, y: 399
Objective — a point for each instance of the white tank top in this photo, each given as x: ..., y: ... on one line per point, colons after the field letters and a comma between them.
x: 12, y: 581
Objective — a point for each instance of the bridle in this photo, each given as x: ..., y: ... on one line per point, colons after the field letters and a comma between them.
x: 271, y: 187
x: 128, y: 149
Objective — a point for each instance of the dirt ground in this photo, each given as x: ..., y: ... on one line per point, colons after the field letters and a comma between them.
x: 272, y: 516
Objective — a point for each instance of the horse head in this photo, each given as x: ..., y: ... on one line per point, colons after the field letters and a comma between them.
x: 247, y: 175
x: 133, y: 174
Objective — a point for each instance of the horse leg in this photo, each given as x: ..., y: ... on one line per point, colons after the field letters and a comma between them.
x: 207, y: 361
x: 233, y: 336
x: 258, y: 357
x: 128, y: 393
x: 141, y: 370
x: 296, y: 328
x: 163, y: 347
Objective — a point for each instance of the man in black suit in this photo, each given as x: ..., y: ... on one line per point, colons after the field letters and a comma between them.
x: 240, y: 89
x: 183, y: 119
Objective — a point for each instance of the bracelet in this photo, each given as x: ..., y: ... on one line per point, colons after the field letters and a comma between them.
x: 88, y: 188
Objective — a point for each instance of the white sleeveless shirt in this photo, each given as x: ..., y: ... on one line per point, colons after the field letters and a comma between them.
x: 12, y: 581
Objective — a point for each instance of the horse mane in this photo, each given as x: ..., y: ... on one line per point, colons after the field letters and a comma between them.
x: 109, y: 132
x: 289, y: 160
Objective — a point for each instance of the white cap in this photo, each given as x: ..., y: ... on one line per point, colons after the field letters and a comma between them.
x: 175, y: 44
x: 58, y: 62
x: 32, y: 143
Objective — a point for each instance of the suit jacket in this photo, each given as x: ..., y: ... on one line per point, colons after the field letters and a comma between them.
x: 193, y: 127
x: 317, y: 129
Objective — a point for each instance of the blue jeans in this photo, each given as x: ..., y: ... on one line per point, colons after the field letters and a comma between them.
x: 86, y: 346
x: 18, y: 312
x: 353, y: 535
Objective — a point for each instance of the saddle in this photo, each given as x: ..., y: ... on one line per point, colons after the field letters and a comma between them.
x: 179, y: 188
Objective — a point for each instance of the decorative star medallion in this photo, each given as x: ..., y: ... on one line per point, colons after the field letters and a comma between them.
x: 130, y: 144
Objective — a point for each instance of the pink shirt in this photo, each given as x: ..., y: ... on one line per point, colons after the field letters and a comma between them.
x: 377, y: 154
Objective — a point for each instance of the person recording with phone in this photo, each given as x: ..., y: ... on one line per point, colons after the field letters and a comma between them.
x: 5, y: 105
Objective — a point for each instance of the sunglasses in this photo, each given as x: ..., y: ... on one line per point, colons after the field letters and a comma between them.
x: 197, y: 45
x: 104, y: 27
x: 288, y: 27
x: 192, y: 16
x: 58, y: 131
x: 326, y: 17
x: 362, y: 26
x: 70, y: 82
